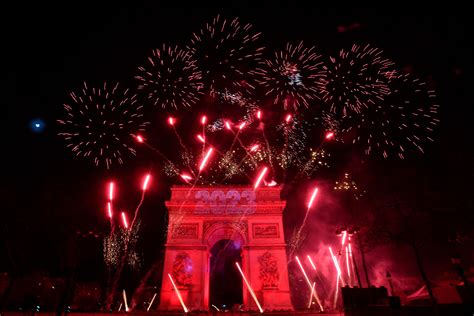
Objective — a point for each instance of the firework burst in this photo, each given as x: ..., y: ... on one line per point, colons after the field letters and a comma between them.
x: 356, y: 79
x: 170, y: 78
x: 294, y: 76
x: 100, y: 123
x: 400, y: 125
x: 228, y: 54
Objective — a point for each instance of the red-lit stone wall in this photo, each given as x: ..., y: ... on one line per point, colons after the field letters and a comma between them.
x: 200, y: 217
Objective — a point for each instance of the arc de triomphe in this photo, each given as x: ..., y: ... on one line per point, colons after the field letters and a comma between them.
x: 199, y: 217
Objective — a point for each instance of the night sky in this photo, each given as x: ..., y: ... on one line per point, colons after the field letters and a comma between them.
x: 48, y: 194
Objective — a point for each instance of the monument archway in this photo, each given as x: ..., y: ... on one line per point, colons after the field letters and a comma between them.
x: 225, y: 281
x: 199, y: 219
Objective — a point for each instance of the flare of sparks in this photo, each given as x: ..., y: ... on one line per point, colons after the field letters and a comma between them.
x: 100, y: 123
x: 170, y: 78
x: 229, y: 55
x: 401, y: 125
x: 356, y: 79
x: 293, y: 76
x: 249, y: 288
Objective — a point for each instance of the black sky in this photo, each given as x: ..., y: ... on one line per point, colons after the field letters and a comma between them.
x: 49, y: 50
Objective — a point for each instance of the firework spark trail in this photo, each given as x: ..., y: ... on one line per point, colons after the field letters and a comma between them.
x: 336, y: 294
x: 311, y: 295
x: 151, y: 303
x: 146, y: 182
x: 124, y: 220
x: 125, y: 300
x: 297, y: 236
x: 203, y: 123
x: 316, y: 152
x: 348, y: 267
x: 351, y: 263
x: 127, y: 241
x: 249, y: 288
x: 187, y: 156
x: 311, y: 262
x: 269, y: 151
x: 142, y: 284
x: 178, y: 294
x: 156, y: 151
x: 309, y: 283
x: 337, y: 266
x: 260, y: 177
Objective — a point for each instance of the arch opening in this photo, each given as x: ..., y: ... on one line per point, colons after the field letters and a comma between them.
x: 225, y: 280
